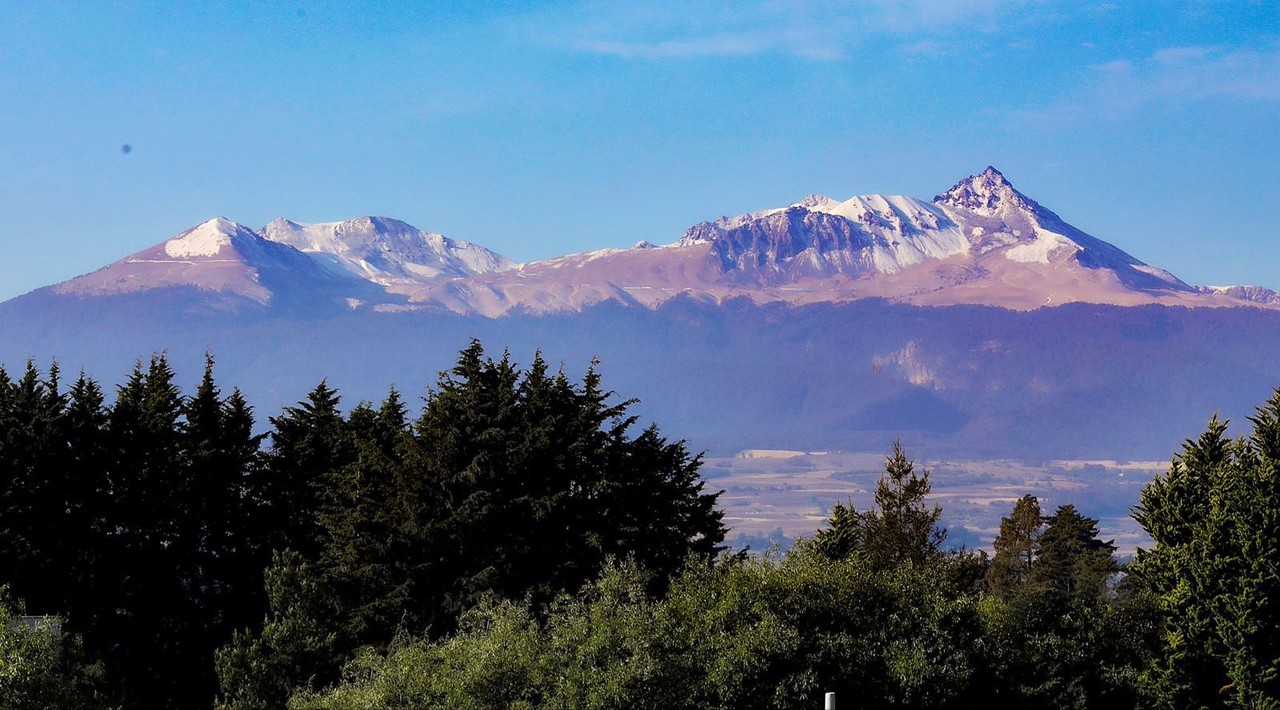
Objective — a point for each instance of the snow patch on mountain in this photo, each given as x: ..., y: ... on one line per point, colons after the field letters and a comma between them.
x: 1252, y: 294
x: 206, y: 239
x: 387, y: 251
x: 1044, y: 246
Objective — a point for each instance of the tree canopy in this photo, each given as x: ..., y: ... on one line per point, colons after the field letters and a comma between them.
x: 520, y: 541
x: 512, y: 483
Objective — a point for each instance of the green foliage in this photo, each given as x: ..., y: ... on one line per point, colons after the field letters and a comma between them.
x: 902, y: 527
x: 1015, y: 548
x: 1215, y: 519
x: 1056, y: 651
x: 770, y: 633
x: 1057, y: 638
x: 257, y: 671
x: 440, y: 561
x: 842, y: 535
x: 41, y: 668
x: 1070, y: 560
x: 137, y: 521
x: 511, y: 484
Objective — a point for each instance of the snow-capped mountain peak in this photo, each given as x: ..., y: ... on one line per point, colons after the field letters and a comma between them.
x: 222, y: 257
x: 987, y: 194
x: 821, y: 203
x: 980, y: 242
x: 386, y: 251
x: 207, y: 239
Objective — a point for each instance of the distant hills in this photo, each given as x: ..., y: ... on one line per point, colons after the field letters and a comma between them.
x: 978, y: 323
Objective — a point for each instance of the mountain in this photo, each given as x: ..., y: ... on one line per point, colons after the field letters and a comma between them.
x: 387, y: 251
x: 361, y: 262
x: 981, y: 242
x: 1252, y: 294
x: 233, y: 266
x: 824, y: 324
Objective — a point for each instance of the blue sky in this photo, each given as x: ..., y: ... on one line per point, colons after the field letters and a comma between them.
x: 540, y: 129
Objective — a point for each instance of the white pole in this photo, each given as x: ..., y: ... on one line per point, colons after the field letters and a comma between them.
x: 831, y: 702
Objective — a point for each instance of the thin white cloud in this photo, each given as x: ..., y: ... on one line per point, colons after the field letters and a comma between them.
x: 1171, y: 75
x: 812, y: 30
x: 723, y: 45
x: 1209, y: 72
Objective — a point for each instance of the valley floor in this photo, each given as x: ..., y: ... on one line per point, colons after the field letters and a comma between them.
x: 781, y: 495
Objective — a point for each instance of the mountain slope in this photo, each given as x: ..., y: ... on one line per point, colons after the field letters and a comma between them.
x: 387, y: 251
x: 230, y: 263
x: 981, y: 242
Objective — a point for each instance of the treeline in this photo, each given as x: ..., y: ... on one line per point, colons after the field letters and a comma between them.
x: 516, y: 544
x: 873, y: 608
x: 150, y: 524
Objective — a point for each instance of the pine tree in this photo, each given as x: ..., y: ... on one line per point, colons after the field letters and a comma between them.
x: 309, y: 441
x: 88, y: 506
x: 1016, y: 548
x: 32, y: 511
x: 1071, y: 560
x: 153, y: 613
x: 1174, y: 510
x: 366, y: 552
x: 1212, y: 572
x: 842, y: 536
x: 902, y: 528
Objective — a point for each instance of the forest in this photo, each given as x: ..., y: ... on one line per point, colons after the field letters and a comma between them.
x: 520, y: 540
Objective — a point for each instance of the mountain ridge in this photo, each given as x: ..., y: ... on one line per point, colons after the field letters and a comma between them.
x: 980, y: 242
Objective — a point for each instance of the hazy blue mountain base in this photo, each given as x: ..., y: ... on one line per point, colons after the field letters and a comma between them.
x: 973, y: 382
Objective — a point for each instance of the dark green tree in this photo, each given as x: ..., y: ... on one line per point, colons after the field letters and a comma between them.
x: 309, y: 441
x: 902, y: 528
x: 842, y: 535
x: 1016, y: 548
x: 1212, y: 571
x: 1071, y: 559
x: 510, y: 483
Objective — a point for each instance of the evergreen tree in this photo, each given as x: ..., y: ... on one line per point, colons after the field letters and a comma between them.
x: 367, y: 553
x: 510, y: 483
x: 1016, y: 548
x: 145, y: 610
x: 32, y: 518
x: 87, y: 493
x: 902, y: 528
x: 1174, y: 510
x: 842, y: 536
x: 1071, y: 560
x: 1212, y: 572
x: 309, y: 442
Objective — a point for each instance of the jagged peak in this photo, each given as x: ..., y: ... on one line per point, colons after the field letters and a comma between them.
x: 375, y: 223
x: 816, y: 201
x: 379, y: 223
x: 984, y: 193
